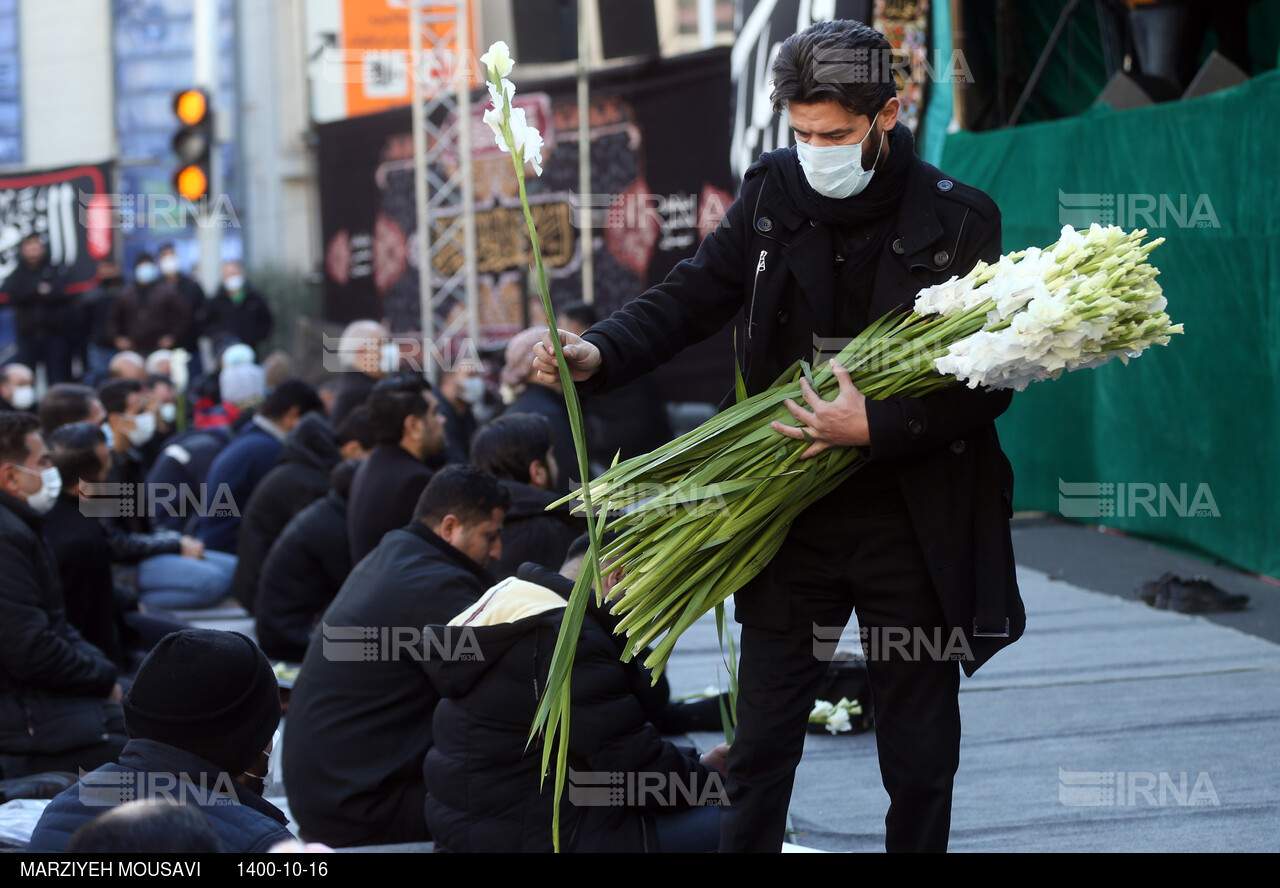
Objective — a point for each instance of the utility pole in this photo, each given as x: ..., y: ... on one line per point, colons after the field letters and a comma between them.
x: 585, y: 236
x: 205, y: 69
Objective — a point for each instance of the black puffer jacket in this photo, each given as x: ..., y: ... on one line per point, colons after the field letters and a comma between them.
x: 299, y: 479
x: 483, y: 791
x: 531, y: 533
x: 302, y: 574
x: 52, y: 682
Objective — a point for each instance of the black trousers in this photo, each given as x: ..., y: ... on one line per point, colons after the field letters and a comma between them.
x: 844, y: 554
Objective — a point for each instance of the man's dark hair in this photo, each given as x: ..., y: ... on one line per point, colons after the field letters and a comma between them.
x: 578, y: 548
x: 147, y: 826
x: 291, y: 393
x: 340, y: 477
x: 505, y: 447
x: 73, y: 449
x: 15, y: 425
x: 166, y: 247
x: 154, y: 379
x: 357, y: 427
x: 115, y: 394
x: 392, y: 401
x: 143, y: 257
x: 64, y: 403
x: 583, y: 313
x: 463, y: 491
x: 842, y: 61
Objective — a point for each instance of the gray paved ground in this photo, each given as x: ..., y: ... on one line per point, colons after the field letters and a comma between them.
x: 1099, y: 685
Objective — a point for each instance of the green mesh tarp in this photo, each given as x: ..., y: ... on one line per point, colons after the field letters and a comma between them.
x: 1193, y: 428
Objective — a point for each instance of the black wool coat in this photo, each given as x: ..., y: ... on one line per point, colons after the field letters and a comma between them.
x: 771, y: 266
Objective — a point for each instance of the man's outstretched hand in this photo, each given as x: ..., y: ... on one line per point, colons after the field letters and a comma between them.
x: 838, y: 423
x: 583, y: 357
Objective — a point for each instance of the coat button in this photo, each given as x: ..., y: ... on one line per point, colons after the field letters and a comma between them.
x: 898, y: 247
x: 941, y: 258
x: 783, y: 317
x: 764, y: 223
x: 957, y: 447
x: 915, y: 427
x: 945, y: 185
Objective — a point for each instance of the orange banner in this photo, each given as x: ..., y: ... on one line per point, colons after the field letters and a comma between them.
x: 375, y: 43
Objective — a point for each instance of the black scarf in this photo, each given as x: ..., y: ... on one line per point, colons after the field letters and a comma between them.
x: 877, y: 200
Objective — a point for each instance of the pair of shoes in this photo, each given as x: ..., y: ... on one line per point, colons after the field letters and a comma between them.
x: 1197, y: 595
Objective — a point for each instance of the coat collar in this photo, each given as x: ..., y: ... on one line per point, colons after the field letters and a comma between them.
x: 429, y: 536
x: 153, y: 756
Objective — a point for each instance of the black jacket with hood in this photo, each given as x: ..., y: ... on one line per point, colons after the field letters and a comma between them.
x: 483, y: 779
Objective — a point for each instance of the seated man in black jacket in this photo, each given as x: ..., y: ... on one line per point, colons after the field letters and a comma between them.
x: 300, y: 478
x: 516, y: 448
x: 304, y: 571
x: 107, y: 615
x: 58, y: 694
x: 409, y: 430
x: 360, y: 712
x: 174, y: 571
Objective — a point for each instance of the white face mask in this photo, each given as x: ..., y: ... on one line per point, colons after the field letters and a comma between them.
x: 169, y: 412
x: 23, y: 397
x: 144, y: 427
x: 836, y: 171
x: 111, y: 436
x: 50, y: 486
x: 234, y: 284
x: 169, y: 265
x: 472, y: 390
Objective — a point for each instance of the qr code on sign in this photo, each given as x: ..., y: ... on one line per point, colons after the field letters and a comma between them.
x: 385, y: 73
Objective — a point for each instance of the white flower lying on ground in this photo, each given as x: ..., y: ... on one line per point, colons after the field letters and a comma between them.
x: 835, y: 716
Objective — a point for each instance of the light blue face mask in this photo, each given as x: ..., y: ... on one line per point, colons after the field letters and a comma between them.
x: 146, y: 273
x: 111, y: 436
x: 836, y: 170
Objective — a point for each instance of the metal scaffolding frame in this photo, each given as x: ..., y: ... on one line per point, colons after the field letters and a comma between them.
x: 444, y: 184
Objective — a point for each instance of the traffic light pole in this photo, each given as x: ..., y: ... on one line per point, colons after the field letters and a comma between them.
x: 205, y: 68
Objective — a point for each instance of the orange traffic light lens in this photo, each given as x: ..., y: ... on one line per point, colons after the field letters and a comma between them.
x: 191, y: 107
x: 192, y: 183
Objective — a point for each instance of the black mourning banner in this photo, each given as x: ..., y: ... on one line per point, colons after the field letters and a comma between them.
x: 660, y: 179
x: 765, y: 24
x: 71, y: 208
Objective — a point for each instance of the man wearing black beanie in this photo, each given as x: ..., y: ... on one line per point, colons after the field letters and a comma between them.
x: 200, y: 716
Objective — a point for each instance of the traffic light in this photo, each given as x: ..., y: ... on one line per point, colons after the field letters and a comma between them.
x: 193, y: 143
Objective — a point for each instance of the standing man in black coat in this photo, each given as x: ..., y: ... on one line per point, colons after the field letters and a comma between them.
x: 360, y: 712
x: 824, y: 238
x: 41, y: 311
x: 193, y: 297
x: 239, y: 310
x: 409, y: 431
